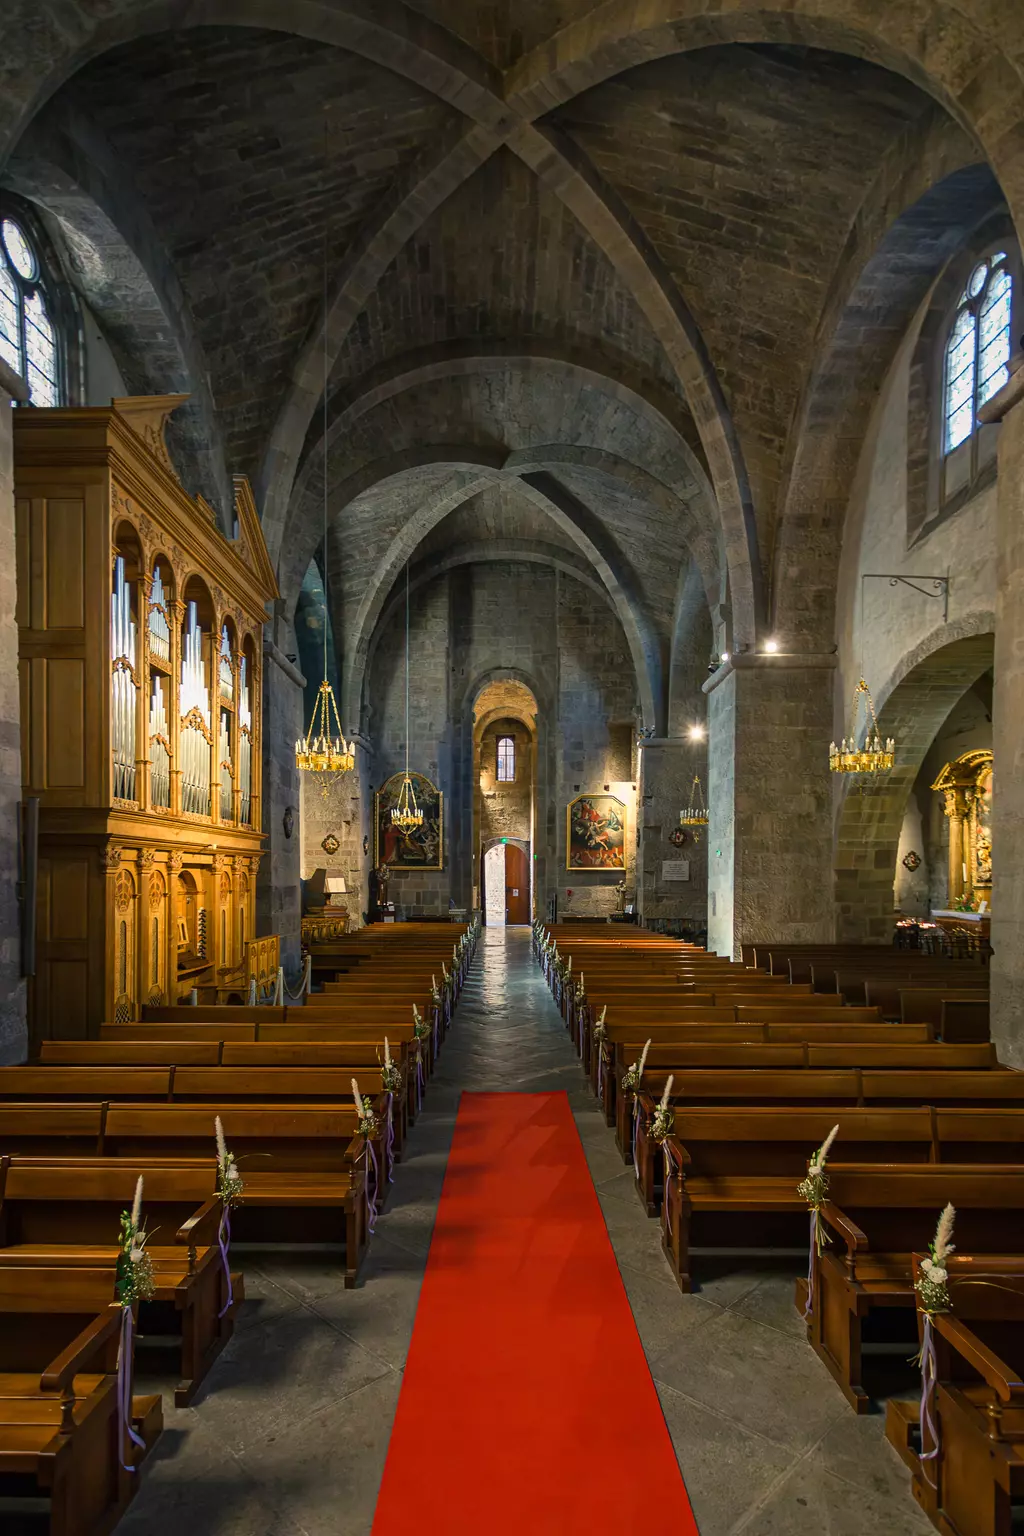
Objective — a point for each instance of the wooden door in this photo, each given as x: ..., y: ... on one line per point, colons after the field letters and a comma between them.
x: 517, y: 885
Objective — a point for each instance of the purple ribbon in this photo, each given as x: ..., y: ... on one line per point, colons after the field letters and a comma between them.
x: 810, y: 1263
x: 929, y: 1376
x: 600, y: 1070
x: 371, y: 1190
x: 668, y: 1181
x: 389, y: 1143
x: 419, y: 1076
x: 636, y: 1134
x: 124, y: 1387
x: 437, y: 1024
x: 224, y: 1243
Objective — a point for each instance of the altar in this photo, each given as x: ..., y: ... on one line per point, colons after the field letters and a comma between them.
x: 966, y: 789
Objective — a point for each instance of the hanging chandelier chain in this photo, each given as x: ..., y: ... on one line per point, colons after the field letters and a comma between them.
x: 406, y: 814
x: 323, y: 750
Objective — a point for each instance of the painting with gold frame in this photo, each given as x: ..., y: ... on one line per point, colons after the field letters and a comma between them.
x: 421, y: 847
x: 595, y: 833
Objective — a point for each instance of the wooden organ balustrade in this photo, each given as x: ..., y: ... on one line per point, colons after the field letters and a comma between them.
x: 140, y: 630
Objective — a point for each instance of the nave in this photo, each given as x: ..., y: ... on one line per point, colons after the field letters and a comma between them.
x: 292, y: 1432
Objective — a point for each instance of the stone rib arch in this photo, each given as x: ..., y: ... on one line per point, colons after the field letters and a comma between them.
x: 883, y: 283
x: 919, y: 695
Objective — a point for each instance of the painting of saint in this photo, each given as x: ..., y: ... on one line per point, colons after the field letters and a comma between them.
x: 595, y: 833
x: 420, y: 847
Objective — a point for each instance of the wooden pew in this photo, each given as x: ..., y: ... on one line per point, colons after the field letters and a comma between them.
x: 727, y: 1162
x: 65, y: 1212
x: 68, y: 1130
x: 58, y: 1397
x: 304, y: 1166
x: 978, y: 1405
x: 129, y: 1053
x: 875, y: 1226
x: 966, y: 1105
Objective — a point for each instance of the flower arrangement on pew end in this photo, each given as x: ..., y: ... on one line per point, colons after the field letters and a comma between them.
x: 134, y: 1265
x: 367, y: 1126
x: 814, y: 1188
x: 229, y: 1180
x: 932, y: 1284
x: 631, y: 1077
x: 600, y: 1027
x: 390, y: 1073
x: 664, y: 1119
x: 229, y: 1187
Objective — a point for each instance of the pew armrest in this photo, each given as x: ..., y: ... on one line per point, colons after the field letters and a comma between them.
x: 201, y: 1228
x: 678, y: 1148
x: 59, y: 1376
x: 985, y: 1362
x: 852, y: 1236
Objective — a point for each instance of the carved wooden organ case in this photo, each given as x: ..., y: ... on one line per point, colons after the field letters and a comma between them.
x: 140, y: 628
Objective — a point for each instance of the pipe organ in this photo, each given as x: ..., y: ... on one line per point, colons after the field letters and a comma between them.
x: 140, y: 627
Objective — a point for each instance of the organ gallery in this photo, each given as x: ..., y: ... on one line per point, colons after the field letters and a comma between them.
x: 140, y: 639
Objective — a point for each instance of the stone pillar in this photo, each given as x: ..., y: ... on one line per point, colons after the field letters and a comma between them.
x: 278, y: 891
x: 667, y: 767
x: 13, y: 1031
x: 770, y: 800
x: 1008, y: 728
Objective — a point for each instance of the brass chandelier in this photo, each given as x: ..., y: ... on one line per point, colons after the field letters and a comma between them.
x: 323, y: 750
x: 696, y: 813
x: 875, y: 756
x: 406, y: 814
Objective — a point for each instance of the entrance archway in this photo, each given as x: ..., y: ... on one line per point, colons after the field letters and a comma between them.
x: 504, y: 774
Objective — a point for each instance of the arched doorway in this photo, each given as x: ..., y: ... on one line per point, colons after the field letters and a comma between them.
x: 504, y: 753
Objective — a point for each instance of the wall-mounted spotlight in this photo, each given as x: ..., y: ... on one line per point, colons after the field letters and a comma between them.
x: 725, y: 657
x: 696, y: 732
x: 771, y: 646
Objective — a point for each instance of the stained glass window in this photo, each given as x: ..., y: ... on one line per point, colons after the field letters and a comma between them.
x: 28, y: 340
x: 506, y: 759
x: 978, y: 348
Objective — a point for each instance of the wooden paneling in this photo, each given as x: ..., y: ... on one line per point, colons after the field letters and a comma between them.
x: 68, y: 1000
x: 69, y: 901
x: 65, y: 724
x: 65, y: 564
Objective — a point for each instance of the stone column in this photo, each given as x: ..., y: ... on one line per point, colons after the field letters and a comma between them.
x: 667, y: 767
x: 1008, y: 728
x: 278, y: 891
x: 13, y: 1030
x: 770, y: 800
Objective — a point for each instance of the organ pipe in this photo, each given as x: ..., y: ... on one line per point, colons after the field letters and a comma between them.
x: 123, y: 685
x: 244, y: 743
x: 159, y: 747
x: 196, y: 738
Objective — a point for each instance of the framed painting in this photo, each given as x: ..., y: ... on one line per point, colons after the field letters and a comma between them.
x: 595, y: 833
x: 419, y: 848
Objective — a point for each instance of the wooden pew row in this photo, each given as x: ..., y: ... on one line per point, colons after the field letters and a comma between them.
x: 976, y: 1456
x: 59, y: 1398
x: 217, y: 1086
x: 677, y: 1058
x: 970, y: 1094
x: 873, y: 1234
x: 65, y: 1214
x: 305, y: 1166
x: 725, y: 1191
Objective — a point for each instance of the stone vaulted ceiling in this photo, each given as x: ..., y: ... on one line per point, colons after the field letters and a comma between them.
x: 586, y: 267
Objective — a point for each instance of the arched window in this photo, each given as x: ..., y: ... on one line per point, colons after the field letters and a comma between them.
x: 506, y: 759
x: 978, y: 348
x: 28, y: 337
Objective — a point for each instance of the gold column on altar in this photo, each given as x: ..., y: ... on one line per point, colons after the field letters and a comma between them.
x: 966, y: 789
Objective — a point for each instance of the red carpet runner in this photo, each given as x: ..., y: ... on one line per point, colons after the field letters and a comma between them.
x: 527, y: 1405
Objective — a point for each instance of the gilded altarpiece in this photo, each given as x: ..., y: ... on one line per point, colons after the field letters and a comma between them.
x: 140, y: 628
x: 966, y: 789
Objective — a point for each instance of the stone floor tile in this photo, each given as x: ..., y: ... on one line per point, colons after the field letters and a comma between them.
x: 812, y: 1502
x: 772, y: 1385
x: 726, y: 1468
x: 326, y: 1467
